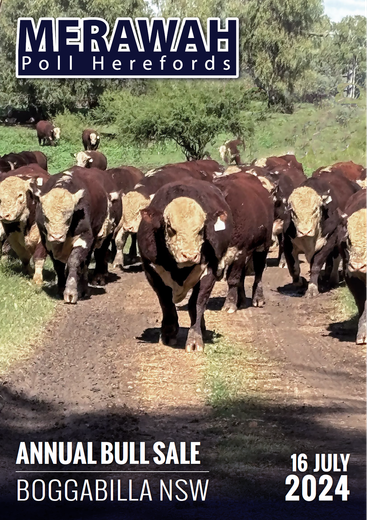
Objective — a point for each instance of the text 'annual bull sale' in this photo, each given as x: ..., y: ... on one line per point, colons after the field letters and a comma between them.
x: 108, y: 452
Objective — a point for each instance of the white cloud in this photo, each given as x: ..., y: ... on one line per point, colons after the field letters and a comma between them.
x: 337, y: 9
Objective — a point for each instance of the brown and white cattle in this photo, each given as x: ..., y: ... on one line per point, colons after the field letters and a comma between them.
x: 229, y: 152
x: 253, y: 214
x: 349, y: 169
x: 182, y: 238
x: 311, y: 227
x: 91, y: 160
x: 74, y: 220
x: 47, y: 133
x: 91, y: 139
x: 18, y: 219
x: 353, y: 238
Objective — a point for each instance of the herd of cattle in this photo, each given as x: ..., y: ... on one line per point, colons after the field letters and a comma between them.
x: 194, y: 222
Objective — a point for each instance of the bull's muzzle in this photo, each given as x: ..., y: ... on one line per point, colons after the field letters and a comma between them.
x: 308, y: 233
x: 189, y: 258
x: 54, y: 237
x: 130, y: 229
x: 357, y: 266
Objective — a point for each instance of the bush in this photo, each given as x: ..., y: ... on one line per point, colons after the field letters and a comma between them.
x: 190, y: 113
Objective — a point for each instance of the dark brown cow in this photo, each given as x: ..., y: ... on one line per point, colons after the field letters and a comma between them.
x: 90, y: 139
x: 352, y: 239
x: 18, y: 217
x: 253, y: 214
x: 350, y: 170
x: 74, y: 220
x: 182, y: 238
x: 205, y: 168
x: 91, y: 160
x: 41, y: 159
x: 47, y: 133
x: 311, y: 226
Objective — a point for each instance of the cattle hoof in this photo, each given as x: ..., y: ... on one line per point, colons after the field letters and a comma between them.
x: 99, y: 280
x: 362, y: 334
x: 312, y: 291
x: 194, y: 342
x: 38, y: 280
x: 168, y: 340
x: 258, y: 302
x: 70, y: 297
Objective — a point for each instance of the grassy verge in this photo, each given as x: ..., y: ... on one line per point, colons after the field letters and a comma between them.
x: 25, y: 309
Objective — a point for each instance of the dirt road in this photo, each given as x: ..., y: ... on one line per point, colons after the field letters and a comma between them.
x: 101, y: 374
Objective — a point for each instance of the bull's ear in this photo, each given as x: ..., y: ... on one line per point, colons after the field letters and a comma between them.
x: 220, y: 220
x: 73, y: 154
x: 326, y: 198
x: 115, y: 195
x: 97, y: 136
x: 90, y: 160
x: 35, y: 188
x: 151, y: 197
x: 77, y: 196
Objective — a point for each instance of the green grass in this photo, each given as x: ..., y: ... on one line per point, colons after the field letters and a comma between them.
x: 317, y: 136
x: 24, y: 311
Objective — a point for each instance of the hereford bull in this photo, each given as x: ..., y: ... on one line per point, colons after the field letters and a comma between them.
x: 18, y: 218
x: 311, y: 227
x: 352, y: 238
x: 350, y: 170
x: 47, y: 133
x: 183, y: 237
x: 74, y: 220
x: 90, y: 139
x: 253, y: 214
x: 91, y: 160
x: 229, y: 152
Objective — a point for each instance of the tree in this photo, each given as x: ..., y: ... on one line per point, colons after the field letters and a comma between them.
x: 349, y: 40
x: 191, y: 113
x: 53, y: 95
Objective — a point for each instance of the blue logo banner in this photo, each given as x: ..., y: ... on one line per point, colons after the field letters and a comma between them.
x: 139, y: 48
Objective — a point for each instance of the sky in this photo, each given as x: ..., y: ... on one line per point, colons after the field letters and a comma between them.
x: 337, y: 9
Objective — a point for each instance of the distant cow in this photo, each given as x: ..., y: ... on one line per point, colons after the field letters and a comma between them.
x: 47, y: 133
x: 91, y: 160
x: 311, y: 226
x: 74, y: 220
x: 352, y: 238
x: 182, y: 238
x: 253, y: 216
x: 229, y: 152
x: 90, y: 139
x: 16, y: 160
x: 350, y: 170
x: 18, y: 218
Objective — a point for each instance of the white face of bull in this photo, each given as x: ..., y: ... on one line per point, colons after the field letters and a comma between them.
x: 58, y: 207
x: 306, y: 206
x: 133, y: 202
x: 357, y: 231
x: 13, y: 198
x: 82, y: 159
x: 57, y: 133
x: 184, y: 230
x: 93, y: 138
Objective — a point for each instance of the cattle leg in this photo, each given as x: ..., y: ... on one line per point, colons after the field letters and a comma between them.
x: 39, y: 257
x: 281, y: 261
x: 332, y: 268
x: 77, y: 259
x: 60, y: 273
x: 234, y: 277
x: 101, y: 270
x: 132, y: 251
x: 259, y: 258
x: 120, y: 241
x: 169, y: 326
x: 317, y: 262
x: 197, y: 304
x: 291, y: 256
x: 358, y: 289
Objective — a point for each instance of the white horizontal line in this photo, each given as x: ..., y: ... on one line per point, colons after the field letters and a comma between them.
x: 108, y: 471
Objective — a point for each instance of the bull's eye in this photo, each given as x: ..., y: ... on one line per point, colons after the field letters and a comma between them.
x: 201, y: 232
x: 171, y: 232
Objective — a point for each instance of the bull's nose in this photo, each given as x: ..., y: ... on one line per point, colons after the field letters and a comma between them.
x: 191, y: 257
x: 357, y: 266
x: 303, y: 234
x: 56, y: 237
